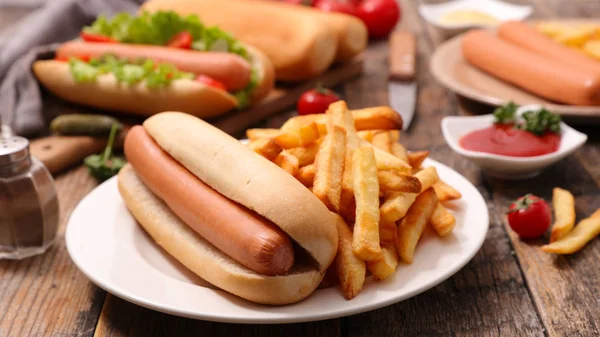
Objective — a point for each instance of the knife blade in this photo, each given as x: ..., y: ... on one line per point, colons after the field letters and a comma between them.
x: 402, y: 88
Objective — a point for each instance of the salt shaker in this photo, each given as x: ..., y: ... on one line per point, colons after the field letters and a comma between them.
x: 28, y: 201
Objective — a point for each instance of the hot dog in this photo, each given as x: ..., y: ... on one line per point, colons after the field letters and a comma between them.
x: 301, y: 42
x: 230, y: 69
x: 155, y: 62
x: 241, y: 234
x: 554, y: 80
x: 527, y: 37
x: 179, y: 163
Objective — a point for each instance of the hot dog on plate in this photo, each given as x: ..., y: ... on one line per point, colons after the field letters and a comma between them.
x: 229, y: 215
x: 156, y: 62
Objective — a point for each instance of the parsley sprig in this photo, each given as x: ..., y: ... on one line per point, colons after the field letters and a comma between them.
x: 535, y: 121
x: 105, y: 165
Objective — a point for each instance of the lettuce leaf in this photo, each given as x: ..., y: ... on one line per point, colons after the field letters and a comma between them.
x: 159, y: 27
x: 127, y: 71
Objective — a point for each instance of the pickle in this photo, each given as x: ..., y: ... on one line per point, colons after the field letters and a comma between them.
x: 84, y: 125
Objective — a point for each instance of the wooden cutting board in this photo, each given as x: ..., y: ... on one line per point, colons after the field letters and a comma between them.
x: 61, y: 152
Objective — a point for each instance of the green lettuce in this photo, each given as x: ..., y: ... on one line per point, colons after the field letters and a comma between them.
x: 127, y: 71
x: 159, y: 27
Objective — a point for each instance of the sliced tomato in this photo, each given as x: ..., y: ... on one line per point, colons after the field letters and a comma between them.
x: 84, y: 58
x: 181, y: 40
x: 211, y: 82
x: 90, y: 37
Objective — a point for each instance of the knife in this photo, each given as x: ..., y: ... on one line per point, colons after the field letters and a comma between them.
x: 402, y: 88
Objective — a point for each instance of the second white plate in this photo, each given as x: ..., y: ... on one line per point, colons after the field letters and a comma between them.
x: 108, y: 246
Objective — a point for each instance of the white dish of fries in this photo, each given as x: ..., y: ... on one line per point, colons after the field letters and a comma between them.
x: 110, y: 248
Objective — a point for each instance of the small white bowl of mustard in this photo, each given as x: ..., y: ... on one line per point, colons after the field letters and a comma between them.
x: 457, y: 16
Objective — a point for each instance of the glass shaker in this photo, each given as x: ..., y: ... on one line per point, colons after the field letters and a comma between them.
x: 28, y: 201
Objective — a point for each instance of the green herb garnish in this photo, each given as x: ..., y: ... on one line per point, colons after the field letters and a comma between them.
x: 506, y: 114
x: 105, y: 165
x: 540, y: 122
x: 535, y: 121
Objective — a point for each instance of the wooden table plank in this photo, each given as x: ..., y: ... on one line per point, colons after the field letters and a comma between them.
x: 488, y: 297
x: 46, y: 295
x: 121, y: 318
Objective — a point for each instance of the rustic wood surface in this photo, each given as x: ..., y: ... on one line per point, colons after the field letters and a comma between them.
x: 510, y: 288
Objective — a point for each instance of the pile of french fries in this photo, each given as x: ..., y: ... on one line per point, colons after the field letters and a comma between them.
x: 566, y: 238
x: 583, y: 37
x: 383, y: 197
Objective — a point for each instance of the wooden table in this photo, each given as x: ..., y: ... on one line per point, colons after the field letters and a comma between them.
x: 510, y: 288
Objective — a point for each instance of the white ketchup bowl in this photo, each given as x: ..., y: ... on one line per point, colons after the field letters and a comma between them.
x: 507, y: 167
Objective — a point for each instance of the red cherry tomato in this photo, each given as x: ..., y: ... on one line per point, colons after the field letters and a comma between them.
x: 380, y: 16
x: 316, y: 101
x: 211, y: 82
x: 181, y: 40
x: 90, y: 37
x: 340, y: 6
x: 529, y: 216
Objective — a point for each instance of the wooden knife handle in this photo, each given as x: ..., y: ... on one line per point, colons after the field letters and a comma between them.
x: 403, y: 50
x: 61, y: 152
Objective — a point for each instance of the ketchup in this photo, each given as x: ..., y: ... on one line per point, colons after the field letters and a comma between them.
x: 504, y: 139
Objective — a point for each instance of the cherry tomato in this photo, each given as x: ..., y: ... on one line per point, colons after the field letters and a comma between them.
x: 380, y: 16
x: 90, y: 37
x: 529, y: 216
x: 316, y: 101
x: 211, y: 82
x: 340, y: 6
x: 181, y: 40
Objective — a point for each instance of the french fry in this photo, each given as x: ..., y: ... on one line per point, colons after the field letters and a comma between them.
x: 413, y: 225
x: 367, y: 135
x: 381, y: 117
x: 287, y: 162
x: 397, y: 204
x: 383, y: 141
x: 301, y: 136
x: 336, y: 114
x: 306, y: 155
x: 266, y: 147
x: 387, y: 161
x: 306, y: 175
x: 446, y: 192
x: 385, y: 265
x: 400, y: 152
x: 388, y: 232
x: 585, y: 231
x: 347, y: 202
x: 349, y: 268
x: 416, y: 159
x: 563, y: 203
x: 330, y: 166
x: 253, y: 134
x: 391, y: 181
x: 365, y: 239
x: 442, y: 220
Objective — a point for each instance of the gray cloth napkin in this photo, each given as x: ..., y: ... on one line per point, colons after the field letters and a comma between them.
x: 32, y: 38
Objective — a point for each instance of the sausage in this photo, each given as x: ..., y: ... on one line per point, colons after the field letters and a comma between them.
x: 243, y: 235
x: 230, y: 69
x: 525, y: 36
x: 538, y: 74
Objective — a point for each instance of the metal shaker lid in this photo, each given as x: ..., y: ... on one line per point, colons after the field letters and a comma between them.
x: 13, y: 150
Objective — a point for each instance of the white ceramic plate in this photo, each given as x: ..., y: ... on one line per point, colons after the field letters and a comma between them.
x: 108, y: 246
x: 501, y: 10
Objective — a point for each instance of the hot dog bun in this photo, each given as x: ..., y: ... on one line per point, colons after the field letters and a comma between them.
x: 185, y: 95
x: 299, y: 44
x: 244, y: 177
x: 204, y: 259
